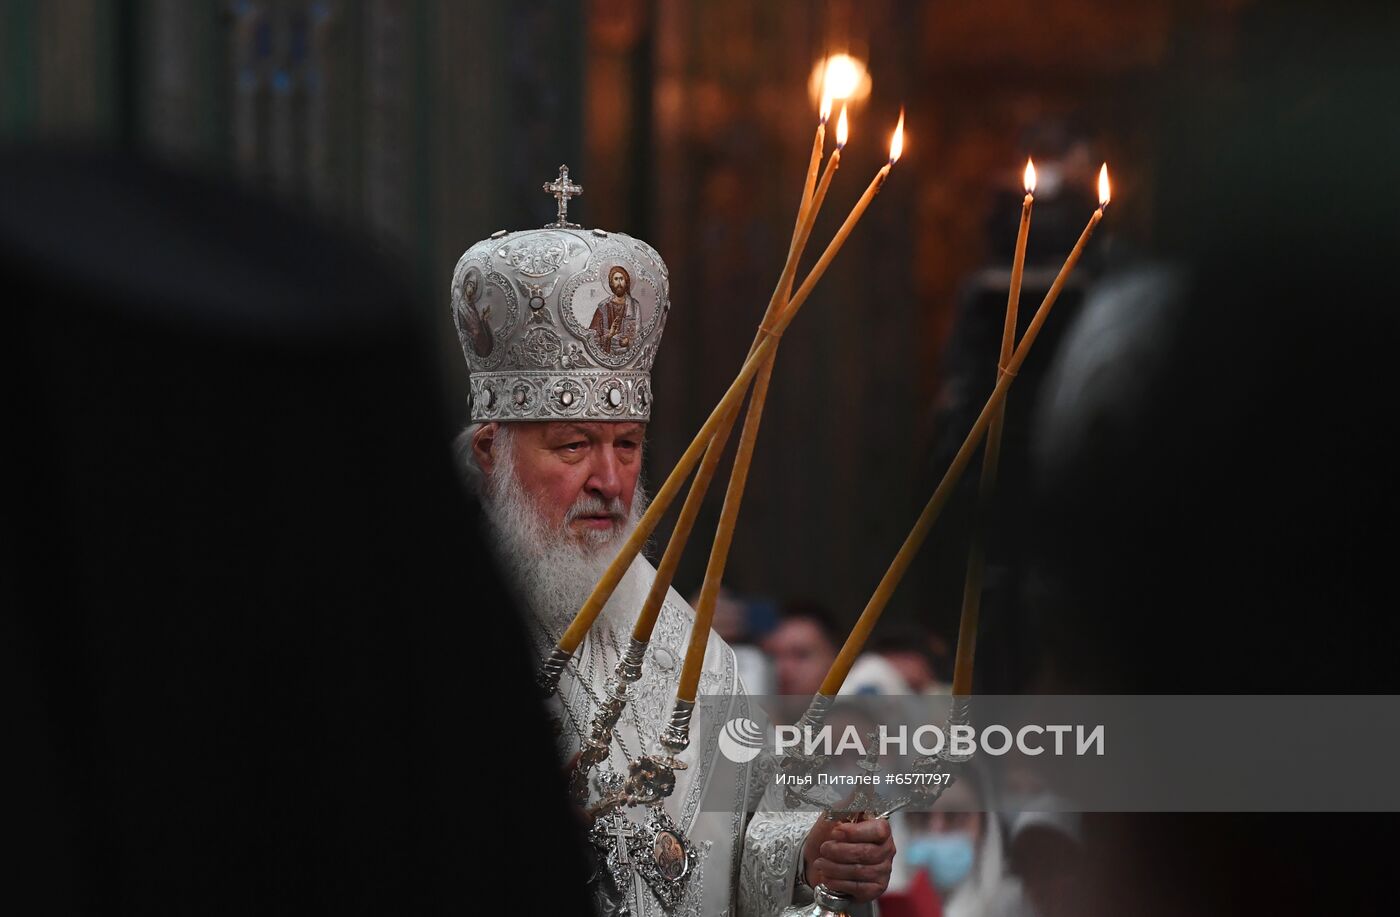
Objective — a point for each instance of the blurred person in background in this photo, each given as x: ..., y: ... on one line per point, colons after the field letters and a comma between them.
x: 803, y: 646
x: 1046, y: 850
x: 958, y: 845
x: 911, y: 653
x: 900, y: 662
x: 873, y: 673
x: 733, y: 621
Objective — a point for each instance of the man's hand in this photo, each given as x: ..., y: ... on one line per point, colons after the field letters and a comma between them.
x: 852, y: 858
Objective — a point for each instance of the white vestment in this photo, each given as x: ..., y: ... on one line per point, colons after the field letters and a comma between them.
x: 747, y: 865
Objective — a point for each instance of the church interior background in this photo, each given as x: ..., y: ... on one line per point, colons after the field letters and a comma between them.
x: 430, y: 125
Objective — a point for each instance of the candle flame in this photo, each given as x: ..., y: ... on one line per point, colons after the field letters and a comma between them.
x: 1104, y: 190
x: 843, y: 129
x: 843, y: 75
x: 1030, y: 177
x: 826, y: 106
x: 897, y: 141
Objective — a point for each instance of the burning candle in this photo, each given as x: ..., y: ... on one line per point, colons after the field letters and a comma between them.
x: 855, y: 642
x: 690, y: 509
x: 724, y: 533
x: 991, y: 456
x: 573, y: 635
x: 748, y: 439
x: 813, y: 163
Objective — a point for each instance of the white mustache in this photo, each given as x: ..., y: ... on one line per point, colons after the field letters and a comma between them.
x: 589, y: 505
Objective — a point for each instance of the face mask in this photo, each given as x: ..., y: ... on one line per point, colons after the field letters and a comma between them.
x: 948, y: 857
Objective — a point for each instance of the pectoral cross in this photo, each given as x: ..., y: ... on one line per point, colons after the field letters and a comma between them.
x: 611, y: 835
x: 621, y: 832
x: 563, y: 189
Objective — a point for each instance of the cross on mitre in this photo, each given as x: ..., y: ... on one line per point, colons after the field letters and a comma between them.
x: 563, y: 189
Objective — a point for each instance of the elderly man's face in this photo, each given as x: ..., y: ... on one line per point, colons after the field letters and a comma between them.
x: 564, y: 464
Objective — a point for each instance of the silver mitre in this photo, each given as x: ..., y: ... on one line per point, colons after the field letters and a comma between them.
x: 560, y: 323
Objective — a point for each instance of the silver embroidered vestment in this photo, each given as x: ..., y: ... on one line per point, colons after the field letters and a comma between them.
x: 746, y: 865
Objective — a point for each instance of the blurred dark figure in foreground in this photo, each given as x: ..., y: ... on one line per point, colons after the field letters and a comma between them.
x: 243, y: 591
x: 1215, y: 469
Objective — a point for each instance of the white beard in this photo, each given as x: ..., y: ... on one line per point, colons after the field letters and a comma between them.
x: 553, y: 570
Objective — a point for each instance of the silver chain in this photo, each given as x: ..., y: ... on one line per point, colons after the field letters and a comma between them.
x: 582, y: 679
